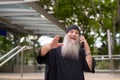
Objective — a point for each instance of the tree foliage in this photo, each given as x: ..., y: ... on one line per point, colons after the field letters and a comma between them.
x: 4, y: 45
x: 95, y: 16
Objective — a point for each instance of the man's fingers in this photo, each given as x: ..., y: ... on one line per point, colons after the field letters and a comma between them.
x: 56, y: 38
x: 54, y: 43
x: 82, y: 39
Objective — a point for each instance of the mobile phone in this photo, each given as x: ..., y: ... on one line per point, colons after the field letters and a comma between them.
x: 82, y: 45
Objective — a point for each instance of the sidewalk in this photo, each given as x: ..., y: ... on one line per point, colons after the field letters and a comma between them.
x: 102, y: 76
x: 17, y: 76
x: 40, y: 76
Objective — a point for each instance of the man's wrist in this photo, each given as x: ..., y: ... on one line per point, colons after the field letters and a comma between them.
x: 87, y: 53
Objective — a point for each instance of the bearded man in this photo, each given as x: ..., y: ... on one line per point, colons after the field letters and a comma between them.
x: 67, y: 60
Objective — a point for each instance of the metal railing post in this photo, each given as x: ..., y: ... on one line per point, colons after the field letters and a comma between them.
x: 22, y: 64
x: 110, y: 51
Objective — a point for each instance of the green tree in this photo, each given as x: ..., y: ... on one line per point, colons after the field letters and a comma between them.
x: 91, y: 16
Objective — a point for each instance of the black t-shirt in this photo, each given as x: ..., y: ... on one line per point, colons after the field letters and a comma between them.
x: 61, y: 68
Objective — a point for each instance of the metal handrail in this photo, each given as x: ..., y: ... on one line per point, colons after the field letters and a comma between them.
x: 12, y: 56
x: 3, y: 57
x: 106, y: 55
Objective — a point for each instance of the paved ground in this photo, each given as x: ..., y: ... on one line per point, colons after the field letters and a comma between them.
x: 40, y: 76
x: 102, y: 76
x: 18, y: 76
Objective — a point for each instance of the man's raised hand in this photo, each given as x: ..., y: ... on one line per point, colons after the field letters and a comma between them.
x: 55, y: 42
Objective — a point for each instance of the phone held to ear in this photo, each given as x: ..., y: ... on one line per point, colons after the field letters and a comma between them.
x: 82, y: 45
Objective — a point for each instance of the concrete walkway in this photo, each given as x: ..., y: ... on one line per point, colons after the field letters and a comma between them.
x: 102, y: 76
x: 40, y: 76
x: 18, y: 76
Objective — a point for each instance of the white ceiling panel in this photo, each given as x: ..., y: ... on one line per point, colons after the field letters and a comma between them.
x: 30, y: 17
x: 15, y: 1
x: 43, y: 29
x: 18, y: 14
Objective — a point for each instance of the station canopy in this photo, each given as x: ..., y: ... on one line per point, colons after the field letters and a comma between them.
x: 26, y: 16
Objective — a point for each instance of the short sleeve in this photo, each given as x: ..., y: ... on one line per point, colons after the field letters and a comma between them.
x: 87, y: 68
x: 41, y: 59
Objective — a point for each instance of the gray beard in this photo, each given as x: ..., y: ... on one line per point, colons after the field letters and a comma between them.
x: 70, y: 48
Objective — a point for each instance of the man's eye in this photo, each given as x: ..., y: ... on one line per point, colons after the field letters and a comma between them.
x: 77, y: 33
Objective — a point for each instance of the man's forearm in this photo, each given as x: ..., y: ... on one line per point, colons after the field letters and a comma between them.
x: 44, y: 50
x: 88, y: 55
x: 89, y: 61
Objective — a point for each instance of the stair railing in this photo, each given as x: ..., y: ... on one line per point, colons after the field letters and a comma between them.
x: 10, y: 57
